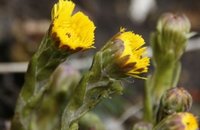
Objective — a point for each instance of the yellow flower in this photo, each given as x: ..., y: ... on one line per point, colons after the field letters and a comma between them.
x: 137, y: 62
x: 178, y: 121
x: 71, y: 31
x: 189, y: 121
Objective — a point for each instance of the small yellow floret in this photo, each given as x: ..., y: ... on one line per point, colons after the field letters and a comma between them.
x: 72, y: 31
x: 189, y: 121
x: 133, y: 48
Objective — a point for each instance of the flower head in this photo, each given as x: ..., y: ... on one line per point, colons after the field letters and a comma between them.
x: 133, y: 53
x: 189, y: 121
x: 178, y: 121
x: 71, y: 31
x: 124, y: 55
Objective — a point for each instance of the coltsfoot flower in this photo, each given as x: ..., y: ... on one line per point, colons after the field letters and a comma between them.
x: 134, y: 52
x: 128, y: 55
x: 189, y: 121
x: 67, y: 34
x: 71, y: 31
x: 178, y: 121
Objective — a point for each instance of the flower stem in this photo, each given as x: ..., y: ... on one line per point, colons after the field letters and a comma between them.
x: 94, y: 86
x: 148, y: 112
x: 164, y: 77
x: 37, y: 81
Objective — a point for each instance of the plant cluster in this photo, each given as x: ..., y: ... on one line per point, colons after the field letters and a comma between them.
x: 55, y: 97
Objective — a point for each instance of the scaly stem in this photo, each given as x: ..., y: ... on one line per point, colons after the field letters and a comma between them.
x: 94, y: 86
x: 164, y: 77
x: 37, y: 81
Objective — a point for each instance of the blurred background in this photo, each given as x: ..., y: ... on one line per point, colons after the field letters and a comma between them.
x: 24, y: 22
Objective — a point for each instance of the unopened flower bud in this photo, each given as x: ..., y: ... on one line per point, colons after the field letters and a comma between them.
x: 174, y: 23
x: 178, y: 121
x: 169, y: 41
x: 174, y: 100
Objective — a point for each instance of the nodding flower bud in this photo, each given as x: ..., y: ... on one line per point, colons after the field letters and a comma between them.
x: 124, y: 55
x: 178, y: 121
x: 174, y: 100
